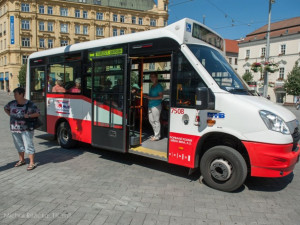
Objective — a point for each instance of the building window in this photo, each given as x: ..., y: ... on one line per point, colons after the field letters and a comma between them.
x: 115, y: 32
x: 25, y: 42
x: 165, y: 23
x: 4, y: 28
x: 152, y: 66
x: 77, y: 13
x: 122, y: 32
x: 25, y: 7
x: 42, y: 43
x: 63, y: 42
x: 133, y: 20
x: 5, y: 60
x: 4, y: 43
x: 24, y: 59
x: 50, y: 43
x: 230, y: 61
x: 132, y: 31
x: 99, y: 31
x: 122, y: 19
x: 281, y: 73
x: 85, y: 15
x: 63, y: 11
x: 99, y: 16
x: 153, y: 22
x: 85, y: 30
x: 50, y: 26
x: 64, y: 28
x: 115, y: 18
x: 235, y: 61
x: 140, y: 21
x: 41, y: 26
x: 25, y: 24
x: 263, y: 52
x: 50, y: 10
x: 41, y: 9
x: 282, y: 49
x: 77, y: 29
x: 247, y: 53
x: 165, y: 7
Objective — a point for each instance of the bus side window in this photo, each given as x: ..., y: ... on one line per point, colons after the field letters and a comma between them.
x: 55, y: 79
x: 185, y: 82
x: 64, y: 77
x: 73, y: 77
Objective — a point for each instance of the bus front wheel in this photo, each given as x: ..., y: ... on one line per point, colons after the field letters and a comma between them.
x: 64, y: 136
x: 223, y: 168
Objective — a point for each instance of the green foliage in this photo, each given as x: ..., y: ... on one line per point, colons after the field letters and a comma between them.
x: 22, y: 75
x: 247, y: 77
x: 292, y: 84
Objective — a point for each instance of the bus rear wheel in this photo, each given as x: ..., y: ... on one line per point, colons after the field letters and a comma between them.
x: 64, y: 136
x: 223, y: 168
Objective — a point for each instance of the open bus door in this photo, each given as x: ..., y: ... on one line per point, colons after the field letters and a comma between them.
x: 109, y: 86
x: 38, y: 92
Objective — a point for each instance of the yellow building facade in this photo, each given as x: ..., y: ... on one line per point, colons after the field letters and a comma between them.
x: 34, y: 25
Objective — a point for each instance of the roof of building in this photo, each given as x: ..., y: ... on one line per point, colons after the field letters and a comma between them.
x: 231, y: 46
x: 281, y: 28
x: 142, y: 5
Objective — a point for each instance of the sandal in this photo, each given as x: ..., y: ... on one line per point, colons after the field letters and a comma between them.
x: 31, y: 167
x: 20, y: 163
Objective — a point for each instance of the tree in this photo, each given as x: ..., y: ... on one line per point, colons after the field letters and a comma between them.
x: 292, y: 83
x: 247, y: 77
x: 22, y: 75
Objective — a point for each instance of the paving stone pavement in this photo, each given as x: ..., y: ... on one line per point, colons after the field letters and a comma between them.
x: 88, y: 186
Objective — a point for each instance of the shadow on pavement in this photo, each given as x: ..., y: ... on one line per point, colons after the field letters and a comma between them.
x: 269, y: 184
x: 57, y: 154
x: 54, y: 154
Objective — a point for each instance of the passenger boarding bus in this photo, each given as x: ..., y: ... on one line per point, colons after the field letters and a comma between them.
x: 209, y: 120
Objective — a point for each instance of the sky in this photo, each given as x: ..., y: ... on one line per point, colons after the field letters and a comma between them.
x: 233, y: 19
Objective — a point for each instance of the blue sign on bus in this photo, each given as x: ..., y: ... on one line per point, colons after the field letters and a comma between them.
x: 12, y: 30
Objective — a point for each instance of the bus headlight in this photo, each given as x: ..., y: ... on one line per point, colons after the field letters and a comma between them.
x: 274, y: 122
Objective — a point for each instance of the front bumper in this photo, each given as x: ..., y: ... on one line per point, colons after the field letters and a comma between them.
x: 271, y: 160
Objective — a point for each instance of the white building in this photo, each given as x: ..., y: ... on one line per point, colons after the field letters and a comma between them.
x: 284, y: 50
x: 232, y: 52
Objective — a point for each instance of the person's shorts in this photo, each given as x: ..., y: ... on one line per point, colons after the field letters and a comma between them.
x: 24, y: 141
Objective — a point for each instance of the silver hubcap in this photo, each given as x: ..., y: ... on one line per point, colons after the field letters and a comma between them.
x: 221, y: 169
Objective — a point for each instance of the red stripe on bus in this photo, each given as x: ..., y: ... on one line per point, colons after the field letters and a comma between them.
x: 100, y: 124
x: 68, y: 96
x: 106, y: 107
x: 81, y: 129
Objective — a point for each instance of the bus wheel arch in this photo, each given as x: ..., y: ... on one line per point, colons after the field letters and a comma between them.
x: 214, y: 139
x: 64, y: 134
x: 223, y: 168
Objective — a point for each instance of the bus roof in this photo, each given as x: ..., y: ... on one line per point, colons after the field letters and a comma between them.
x: 177, y: 31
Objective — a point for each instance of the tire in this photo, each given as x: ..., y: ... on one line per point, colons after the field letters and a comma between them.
x: 64, y: 136
x: 223, y: 168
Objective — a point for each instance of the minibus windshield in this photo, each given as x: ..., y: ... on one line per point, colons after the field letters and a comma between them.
x: 219, y: 69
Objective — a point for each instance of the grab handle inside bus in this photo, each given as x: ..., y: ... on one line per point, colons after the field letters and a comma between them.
x: 202, y: 97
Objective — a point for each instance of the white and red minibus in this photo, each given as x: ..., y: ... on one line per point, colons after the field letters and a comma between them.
x: 210, y: 119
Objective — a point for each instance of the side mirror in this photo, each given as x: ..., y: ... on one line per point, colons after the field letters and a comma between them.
x: 202, y: 96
